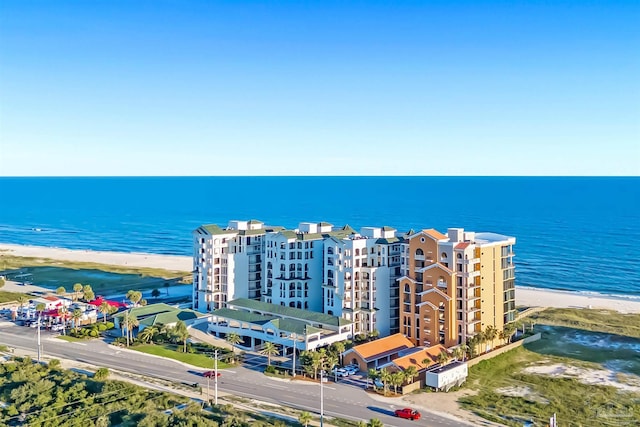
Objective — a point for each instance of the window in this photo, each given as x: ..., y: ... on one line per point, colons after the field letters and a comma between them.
x: 444, y: 255
x: 459, y: 255
x: 419, y: 252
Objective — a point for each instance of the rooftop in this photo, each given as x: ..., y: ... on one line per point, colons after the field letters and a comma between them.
x: 416, y: 358
x: 288, y: 325
x: 296, y: 313
x: 382, y: 347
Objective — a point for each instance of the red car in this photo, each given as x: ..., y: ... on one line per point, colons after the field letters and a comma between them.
x: 407, y: 413
x: 211, y: 374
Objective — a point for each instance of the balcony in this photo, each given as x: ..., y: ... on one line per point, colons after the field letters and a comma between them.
x: 471, y: 274
x: 471, y: 260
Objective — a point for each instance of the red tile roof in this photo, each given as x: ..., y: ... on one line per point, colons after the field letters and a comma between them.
x: 383, y: 346
x: 435, y: 234
x: 462, y: 245
x: 416, y: 359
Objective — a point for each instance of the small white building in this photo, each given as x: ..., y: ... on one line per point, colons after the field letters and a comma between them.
x: 447, y: 376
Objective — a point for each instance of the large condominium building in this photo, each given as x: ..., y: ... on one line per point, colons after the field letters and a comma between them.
x: 455, y: 285
x: 316, y: 267
x: 228, y: 263
x: 361, y: 274
x: 434, y: 288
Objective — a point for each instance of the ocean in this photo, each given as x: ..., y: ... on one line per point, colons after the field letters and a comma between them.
x: 573, y: 233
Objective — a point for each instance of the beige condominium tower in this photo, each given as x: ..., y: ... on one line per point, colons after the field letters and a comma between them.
x: 455, y: 285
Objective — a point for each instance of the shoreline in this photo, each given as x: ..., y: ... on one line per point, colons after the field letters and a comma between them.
x: 124, y: 259
x: 525, y: 296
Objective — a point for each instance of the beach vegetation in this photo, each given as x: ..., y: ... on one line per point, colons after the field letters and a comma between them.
x: 2, y: 282
x: 41, y: 395
x: 61, y: 290
x: 606, y: 321
x: 560, y: 373
x: 6, y: 296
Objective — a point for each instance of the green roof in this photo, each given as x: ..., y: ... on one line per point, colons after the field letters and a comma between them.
x: 215, y: 229
x: 295, y: 326
x: 171, y: 317
x: 242, y: 316
x: 255, y: 221
x: 287, y: 325
x: 147, y: 310
x: 389, y: 240
x: 296, y: 313
x: 288, y: 234
x: 387, y: 228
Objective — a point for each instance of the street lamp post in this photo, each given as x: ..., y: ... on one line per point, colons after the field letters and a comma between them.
x: 294, y: 354
x: 215, y: 378
x: 39, y: 344
x: 321, y: 397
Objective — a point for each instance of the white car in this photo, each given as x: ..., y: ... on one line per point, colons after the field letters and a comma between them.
x: 35, y: 324
x: 352, y: 369
x: 340, y: 372
x: 57, y: 327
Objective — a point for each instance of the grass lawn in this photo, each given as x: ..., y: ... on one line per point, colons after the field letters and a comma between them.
x: 508, y: 395
x: 606, y: 321
x: 195, y: 359
x: 103, y: 279
x: 9, y: 296
x: 71, y: 339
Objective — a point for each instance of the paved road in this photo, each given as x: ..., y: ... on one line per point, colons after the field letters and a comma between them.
x: 341, y: 400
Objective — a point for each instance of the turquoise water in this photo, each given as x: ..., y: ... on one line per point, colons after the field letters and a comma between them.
x: 572, y: 233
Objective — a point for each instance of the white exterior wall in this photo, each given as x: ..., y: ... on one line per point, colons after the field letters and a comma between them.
x: 447, y: 377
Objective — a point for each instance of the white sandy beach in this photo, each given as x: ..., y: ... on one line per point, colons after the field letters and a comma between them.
x: 566, y: 299
x: 167, y: 262
x: 524, y: 296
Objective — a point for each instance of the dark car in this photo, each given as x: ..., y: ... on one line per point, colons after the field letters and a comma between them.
x: 210, y: 374
x: 408, y: 413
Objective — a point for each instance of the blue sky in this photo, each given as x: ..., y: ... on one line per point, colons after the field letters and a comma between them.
x: 319, y: 88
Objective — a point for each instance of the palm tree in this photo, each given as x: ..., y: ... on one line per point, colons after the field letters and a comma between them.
x: 443, y: 357
x: 509, y: 330
x: 134, y: 297
x: 104, y: 308
x: 374, y: 422
x: 490, y: 334
x: 269, y: 349
x: 77, y: 288
x: 22, y: 299
x: 410, y: 373
x: 76, y: 316
x: 373, y: 374
x: 129, y: 321
x: 339, y: 347
x: 385, y: 377
x: 181, y: 334
x: 317, y: 361
x: 61, y: 290
x: 87, y: 293
x: 233, y: 338
x: 304, y: 418
x: 62, y: 313
x: 147, y: 334
x: 502, y: 336
x: 331, y: 361
x: 457, y: 353
x: 397, y: 378
x: 465, y: 350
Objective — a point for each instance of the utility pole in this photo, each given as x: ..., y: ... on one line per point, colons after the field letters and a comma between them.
x: 215, y: 379
x: 39, y: 344
x: 321, y: 398
x: 294, y: 354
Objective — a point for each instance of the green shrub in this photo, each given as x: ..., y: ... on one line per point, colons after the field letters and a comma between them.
x: 93, y: 333
x: 102, y: 327
x: 270, y: 370
x: 101, y: 374
x: 110, y: 325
